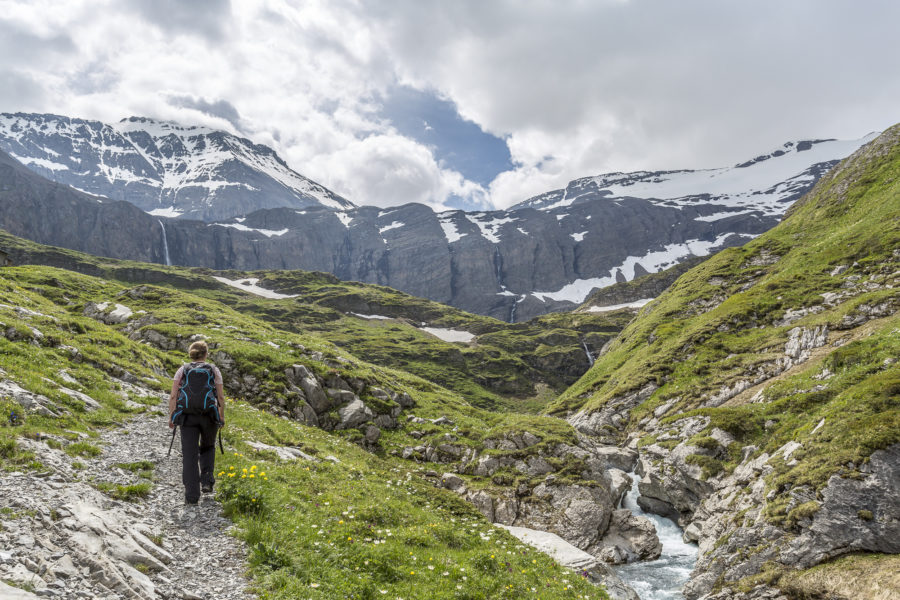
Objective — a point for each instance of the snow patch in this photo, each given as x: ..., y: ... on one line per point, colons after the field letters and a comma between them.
x: 170, y: 212
x: 379, y: 317
x: 579, y: 236
x: 449, y: 335
x: 611, y: 307
x: 653, y: 262
x: 489, y: 229
x: 450, y: 231
x: 394, y: 225
x: 722, y: 215
x: 40, y: 162
x: 265, y: 232
x: 344, y: 218
x: 249, y: 285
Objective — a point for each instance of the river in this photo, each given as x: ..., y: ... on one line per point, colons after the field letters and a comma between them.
x: 659, y: 579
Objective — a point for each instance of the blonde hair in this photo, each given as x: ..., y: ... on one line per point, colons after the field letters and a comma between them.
x: 198, y: 350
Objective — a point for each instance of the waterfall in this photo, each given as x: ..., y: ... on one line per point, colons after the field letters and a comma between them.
x: 590, y: 357
x: 659, y: 579
x: 165, y: 244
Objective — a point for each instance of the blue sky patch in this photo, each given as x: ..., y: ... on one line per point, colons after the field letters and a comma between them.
x: 456, y: 143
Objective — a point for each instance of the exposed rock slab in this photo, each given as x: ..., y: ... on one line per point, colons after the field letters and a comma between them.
x: 578, y: 560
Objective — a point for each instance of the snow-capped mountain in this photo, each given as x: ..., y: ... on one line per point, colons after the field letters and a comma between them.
x: 547, y: 253
x: 163, y: 168
x: 763, y: 185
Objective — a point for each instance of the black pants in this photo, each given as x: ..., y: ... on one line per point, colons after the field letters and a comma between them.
x: 198, y: 454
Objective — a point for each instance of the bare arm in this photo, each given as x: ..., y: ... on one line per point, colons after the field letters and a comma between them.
x: 220, y: 396
x: 173, y: 396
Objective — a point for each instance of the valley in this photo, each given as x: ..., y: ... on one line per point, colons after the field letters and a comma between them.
x: 752, y: 398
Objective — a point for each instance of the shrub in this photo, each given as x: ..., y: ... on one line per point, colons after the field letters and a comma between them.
x: 244, y: 490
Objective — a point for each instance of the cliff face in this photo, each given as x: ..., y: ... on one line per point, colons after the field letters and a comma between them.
x: 511, y: 266
x: 762, y: 389
x: 542, y: 255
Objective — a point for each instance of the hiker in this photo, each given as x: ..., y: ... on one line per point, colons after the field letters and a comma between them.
x: 197, y: 405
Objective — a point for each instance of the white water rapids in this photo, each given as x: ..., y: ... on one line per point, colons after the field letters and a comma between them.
x: 659, y: 579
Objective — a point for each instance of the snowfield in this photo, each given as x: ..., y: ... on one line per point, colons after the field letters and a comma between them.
x: 250, y: 285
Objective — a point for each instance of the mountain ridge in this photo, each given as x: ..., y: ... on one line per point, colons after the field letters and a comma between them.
x: 546, y: 254
x: 761, y: 388
x: 164, y: 168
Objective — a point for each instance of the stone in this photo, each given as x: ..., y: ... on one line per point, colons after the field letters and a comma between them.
x: 837, y: 528
x: 101, y: 312
x: 283, y: 452
x: 486, y: 466
x: 89, y: 403
x: 372, y: 434
x: 315, y: 395
x: 607, y: 423
x: 31, y: 402
x: 634, y: 534
x: 385, y: 422
x: 340, y: 397
x: 8, y: 592
x: 483, y: 502
x: 578, y: 560
x: 354, y: 414
x: 453, y: 482
x: 506, y: 510
x: 619, y: 484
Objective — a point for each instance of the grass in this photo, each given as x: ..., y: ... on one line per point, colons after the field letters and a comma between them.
x: 367, y: 524
x: 129, y: 493
x: 508, y: 367
x: 717, y: 325
x: 276, y: 519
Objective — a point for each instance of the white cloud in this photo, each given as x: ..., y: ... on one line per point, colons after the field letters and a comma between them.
x: 576, y: 88
x: 388, y: 169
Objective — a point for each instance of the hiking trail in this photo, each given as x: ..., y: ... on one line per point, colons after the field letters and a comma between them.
x: 61, y: 537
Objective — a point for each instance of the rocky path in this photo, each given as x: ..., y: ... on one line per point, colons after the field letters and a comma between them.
x: 60, y: 537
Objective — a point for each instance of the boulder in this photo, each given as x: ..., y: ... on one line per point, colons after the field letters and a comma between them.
x: 354, y: 414
x: 855, y: 515
x: 483, y: 502
x: 31, y: 402
x: 372, y: 434
x: 283, y: 452
x: 633, y: 534
x: 453, y: 482
x: 578, y: 560
x: 315, y: 396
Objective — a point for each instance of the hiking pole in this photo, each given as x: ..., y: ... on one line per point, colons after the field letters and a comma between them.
x: 174, y: 429
x: 221, y: 447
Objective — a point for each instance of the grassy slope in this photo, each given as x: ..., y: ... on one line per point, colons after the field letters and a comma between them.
x: 428, y: 526
x: 514, y: 366
x: 852, y: 218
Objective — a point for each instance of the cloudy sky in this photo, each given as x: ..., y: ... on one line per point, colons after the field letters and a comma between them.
x: 461, y: 103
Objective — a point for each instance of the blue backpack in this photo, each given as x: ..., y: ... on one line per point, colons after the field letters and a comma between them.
x: 197, y: 394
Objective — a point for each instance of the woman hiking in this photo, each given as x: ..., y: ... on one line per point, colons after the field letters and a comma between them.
x: 197, y: 405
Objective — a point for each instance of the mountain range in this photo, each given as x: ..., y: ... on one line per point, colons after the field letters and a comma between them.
x: 544, y: 254
x: 384, y: 445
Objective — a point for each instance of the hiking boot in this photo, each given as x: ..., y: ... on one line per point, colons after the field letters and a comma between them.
x: 206, y: 488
